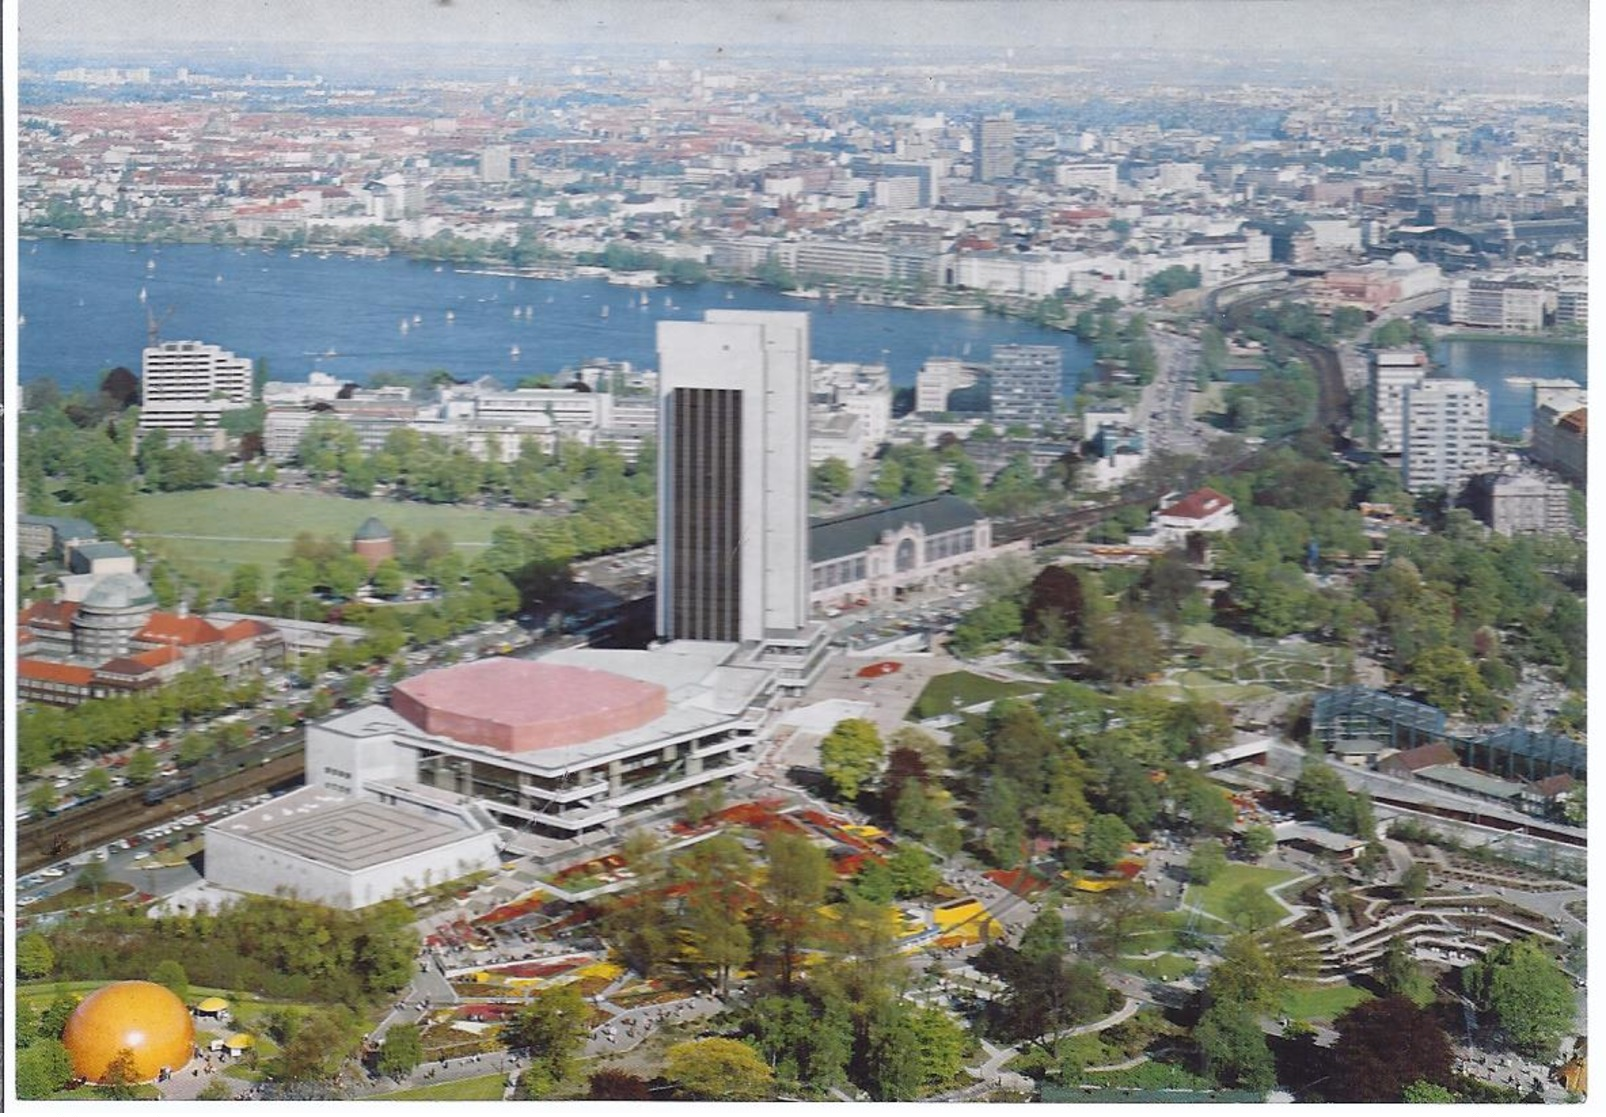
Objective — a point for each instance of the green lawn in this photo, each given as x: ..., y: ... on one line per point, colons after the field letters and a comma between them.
x: 1167, y: 967
x: 1212, y: 897
x: 1320, y: 1002
x: 968, y: 688
x: 488, y: 1088
x: 223, y: 528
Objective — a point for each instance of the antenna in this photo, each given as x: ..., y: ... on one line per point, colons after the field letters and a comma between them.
x: 153, y: 324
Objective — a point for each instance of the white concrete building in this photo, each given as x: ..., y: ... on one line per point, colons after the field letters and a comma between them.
x: 188, y: 385
x: 937, y: 379
x: 331, y: 848
x: 1393, y: 371
x: 1446, y: 434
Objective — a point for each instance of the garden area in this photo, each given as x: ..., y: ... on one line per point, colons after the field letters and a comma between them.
x: 1213, y: 898
x: 947, y: 694
x: 1221, y: 666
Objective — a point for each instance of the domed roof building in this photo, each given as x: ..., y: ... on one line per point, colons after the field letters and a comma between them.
x: 141, y: 1017
x: 111, y: 613
x: 373, y: 542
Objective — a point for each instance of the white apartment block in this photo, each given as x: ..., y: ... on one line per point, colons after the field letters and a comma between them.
x: 1502, y: 304
x: 937, y: 378
x: 861, y: 390
x: 1446, y: 434
x: 1393, y: 371
x: 1100, y: 177
x: 188, y: 385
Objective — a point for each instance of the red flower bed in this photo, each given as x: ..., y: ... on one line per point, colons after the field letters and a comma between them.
x: 1129, y: 869
x: 488, y: 1012
x: 876, y: 670
x: 1018, y: 881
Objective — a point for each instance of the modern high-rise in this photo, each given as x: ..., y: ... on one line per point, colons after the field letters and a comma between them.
x: 1393, y: 371
x: 1446, y: 434
x: 733, y: 476
x: 496, y: 163
x: 187, y: 385
x: 1026, y: 385
x: 993, y: 149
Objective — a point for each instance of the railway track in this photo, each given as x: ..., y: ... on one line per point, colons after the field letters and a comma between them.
x: 41, y: 843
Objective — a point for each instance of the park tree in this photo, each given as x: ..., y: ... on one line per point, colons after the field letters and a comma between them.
x: 402, y: 1051
x: 912, y: 871
x: 1123, y: 647
x: 170, y: 975
x: 617, y: 1085
x: 850, y: 756
x: 806, y: 1043
x: 1402, y: 975
x: 141, y: 767
x: 1207, y: 862
x: 1255, y: 968
x: 35, y: 959
x: 799, y: 876
x: 1414, y: 883
x: 43, y: 1068
x: 1044, y: 994
x: 1259, y: 840
x: 1055, y: 607
x: 718, y: 1070
x: 831, y: 478
x: 1106, y: 840
x: 1421, y: 1092
x: 1111, y: 922
x: 317, y: 1049
x: 1384, y: 1045
x: 552, y: 1027
x: 1319, y: 792
x: 1529, y: 995
x: 1251, y: 908
x: 1232, y: 1048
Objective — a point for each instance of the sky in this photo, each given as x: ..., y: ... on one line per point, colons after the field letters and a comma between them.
x: 1551, y: 27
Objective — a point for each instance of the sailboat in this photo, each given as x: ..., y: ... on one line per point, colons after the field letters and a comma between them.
x: 514, y: 352
x: 450, y: 316
x: 142, y: 295
x: 404, y: 326
x: 219, y: 279
x: 605, y: 312
x: 418, y: 319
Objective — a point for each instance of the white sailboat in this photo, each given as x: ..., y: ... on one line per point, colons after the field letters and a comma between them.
x: 142, y: 295
x: 514, y: 352
x: 605, y: 312
x: 450, y: 316
x: 404, y: 326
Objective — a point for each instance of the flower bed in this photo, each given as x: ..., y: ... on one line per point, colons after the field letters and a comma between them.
x: 877, y: 670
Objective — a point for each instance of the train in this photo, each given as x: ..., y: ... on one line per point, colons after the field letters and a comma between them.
x: 163, y: 791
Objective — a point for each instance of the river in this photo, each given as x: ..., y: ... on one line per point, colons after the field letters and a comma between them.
x: 82, y: 312
x: 1503, y: 369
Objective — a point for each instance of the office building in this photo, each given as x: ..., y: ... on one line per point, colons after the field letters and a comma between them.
x: 1027, y: 382
x: 1517, y: 305
x: 733, y: 475
x: 993, y: 149
x: 1561, y: 431
x: 938, y: 378
x: 1393, y: 371
x: 496, y: 163
x: 187, y: 385
x: 1521, y: 503
x: 1446, y: 434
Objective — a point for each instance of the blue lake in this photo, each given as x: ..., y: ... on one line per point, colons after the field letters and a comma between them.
x: 344, y: 316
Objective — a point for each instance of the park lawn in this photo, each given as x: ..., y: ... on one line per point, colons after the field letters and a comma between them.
x: 969, y: 688
x: 223, y: 528
x: 78, y: 896
x: 1164, y: 934
x: 486, y: 1088
x: 1167, y: 967
x: 1212, y: 897
x: 1308, y: 1002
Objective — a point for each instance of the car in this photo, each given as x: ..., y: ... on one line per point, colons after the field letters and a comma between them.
x: 52, y: 872
x: 29, y: 900
x: 141, y: 855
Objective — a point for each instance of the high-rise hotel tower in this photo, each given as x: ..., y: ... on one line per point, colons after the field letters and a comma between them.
x: 733, y: 477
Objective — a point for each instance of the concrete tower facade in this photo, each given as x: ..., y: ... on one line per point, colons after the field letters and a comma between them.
x: 1446, y: 434
x: 733, y: 476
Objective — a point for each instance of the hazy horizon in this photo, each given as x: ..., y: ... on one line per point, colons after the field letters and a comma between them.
x: 1440, y: 30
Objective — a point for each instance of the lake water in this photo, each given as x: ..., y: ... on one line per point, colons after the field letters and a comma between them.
x: 344, y: 316
x: 1499, y: 367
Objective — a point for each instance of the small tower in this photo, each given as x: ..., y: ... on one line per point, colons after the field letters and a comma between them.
x: 373, y: 542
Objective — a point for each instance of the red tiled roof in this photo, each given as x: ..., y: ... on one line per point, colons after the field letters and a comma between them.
x: 1555, y: 785
x: 170, y: 628
x: 44, y: 671
x: 1576, y: 420
x: 158, y: 657
x: 1197, y: 505
x: 245, y: 629
x: 123, y: 665
x: 49, y: 614
x: 1424, y: 756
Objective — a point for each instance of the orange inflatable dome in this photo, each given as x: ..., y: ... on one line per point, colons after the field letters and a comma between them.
x: 141, y: 1016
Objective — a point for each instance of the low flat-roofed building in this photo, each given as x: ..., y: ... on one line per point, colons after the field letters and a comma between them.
x: 1471, y: 782
x: 560, y: 745
x: 325, y: 846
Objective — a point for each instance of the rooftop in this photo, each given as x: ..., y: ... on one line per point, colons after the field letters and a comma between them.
x: 333, y: 829
x: 847, y: 535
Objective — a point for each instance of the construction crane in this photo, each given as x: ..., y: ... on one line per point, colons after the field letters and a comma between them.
x: 154, y: 324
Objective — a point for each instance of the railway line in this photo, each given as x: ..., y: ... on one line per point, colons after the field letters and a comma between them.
x: 48, y: 840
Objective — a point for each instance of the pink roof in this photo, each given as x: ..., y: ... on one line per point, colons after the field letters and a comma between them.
x: 515, y: 705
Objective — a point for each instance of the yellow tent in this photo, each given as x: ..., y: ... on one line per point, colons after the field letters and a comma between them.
x: 212, y: 1005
